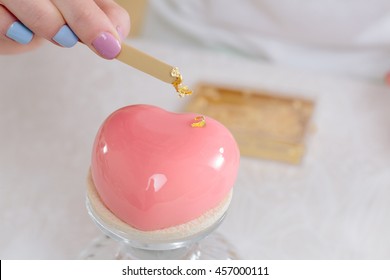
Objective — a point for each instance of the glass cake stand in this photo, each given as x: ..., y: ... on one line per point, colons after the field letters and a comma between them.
x: 115, y: 244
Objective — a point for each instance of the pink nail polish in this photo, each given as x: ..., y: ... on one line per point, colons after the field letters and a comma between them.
x: 107, y: 45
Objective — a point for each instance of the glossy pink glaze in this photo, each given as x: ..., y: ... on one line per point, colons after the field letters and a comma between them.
x: 153, y: 170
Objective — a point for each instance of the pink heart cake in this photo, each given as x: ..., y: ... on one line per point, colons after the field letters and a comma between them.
x: 152, y: 170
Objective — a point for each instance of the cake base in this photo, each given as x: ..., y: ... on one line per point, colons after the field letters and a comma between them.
x: 173, y: 236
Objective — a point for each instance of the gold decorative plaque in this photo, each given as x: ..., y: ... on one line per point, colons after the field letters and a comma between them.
x: 264, y: 124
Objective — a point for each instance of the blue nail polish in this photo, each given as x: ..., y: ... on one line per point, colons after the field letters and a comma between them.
x: 66, y: 37
x: 19, y: 33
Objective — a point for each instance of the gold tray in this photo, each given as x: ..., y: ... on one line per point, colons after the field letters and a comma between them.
x: 264, y: 124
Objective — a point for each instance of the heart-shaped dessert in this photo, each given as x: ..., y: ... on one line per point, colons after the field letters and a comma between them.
x: 154, y: 170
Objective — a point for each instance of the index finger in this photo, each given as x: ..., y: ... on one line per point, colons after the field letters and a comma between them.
x: 91, y: 25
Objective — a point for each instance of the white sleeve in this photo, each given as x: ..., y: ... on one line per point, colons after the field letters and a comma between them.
x: 334, y: 35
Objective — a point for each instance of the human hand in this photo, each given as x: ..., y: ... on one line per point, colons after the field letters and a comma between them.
x: 99, y: 24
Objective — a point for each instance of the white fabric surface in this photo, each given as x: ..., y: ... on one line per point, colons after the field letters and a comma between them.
x: 335, y: 205
x: 348, y: 37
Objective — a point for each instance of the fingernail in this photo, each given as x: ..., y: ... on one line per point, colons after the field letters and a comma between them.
x: 65, y: 37
x: 107, y: 45
x: 119, y: 30
x: 19, y: 33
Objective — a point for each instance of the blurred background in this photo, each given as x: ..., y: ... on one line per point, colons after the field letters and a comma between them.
x: 316, y: 71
